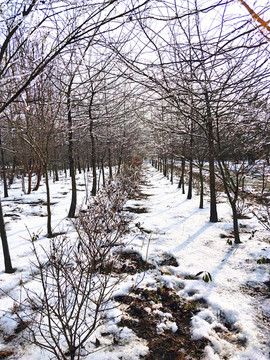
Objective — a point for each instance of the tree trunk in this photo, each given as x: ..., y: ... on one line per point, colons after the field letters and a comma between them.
x: 235, y: 223
x: 93, y: 147
x: 94, y: 165
x: 212, y: 183
x: 72, y: 209
x: 39, y: 174
x: 165, y: 166
x: 182, y: 176
x: 4, y: 169
x: 190, y: 178
x: 8, y: 266
x: 201, y: 187
x: 23, y: 183
x: 110, y: 163
x: 171, y: 169
x: 103, y: 173
x: 29, y: 180
x: 48, y: 198
x: 79, y: 165
x: 211, y: 155
x: 229, y: 190
x: 55, y: 170
x: 11, y: 178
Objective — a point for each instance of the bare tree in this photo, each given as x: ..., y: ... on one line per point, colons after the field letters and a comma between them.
x: 76, y: 278
x: 34, y: 19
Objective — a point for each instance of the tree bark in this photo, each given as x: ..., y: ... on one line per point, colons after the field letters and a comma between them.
x: 11, y: 177
x: 165, y: 166
x: 72, y: 209
x: 110, y: 162
x: 4, y: 169
x: 201, y: 187
x: 235, y: 223
x: 93, y: 147
x: 172, y: 164
x: 39, y: 174
x: 103, y: 173
x: 211, y: 156
x: 190, y: 178
x: 8, y: 265
x: 212, y: 182
x: 79, y: 165
x: 182, y: 176
x: 48, y: 199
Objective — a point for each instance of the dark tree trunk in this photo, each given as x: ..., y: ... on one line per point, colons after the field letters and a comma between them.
x: 55, y: 170
x: 165, y: 166
x: 182, y: 176
x: 212, y: 183
x: 211, y: 155
x: 172, y: 163
x: 72, y: 209
x: 232, y: 192
x: 103, y: 173
x: 23, y: 183
x: 190, y: 179
x: 94, y: 163
x: 8, y: 266
x: 11, y: 178
x: 119, y: 163
x: 235, y: 223
x: 79, y: 165
x: 110, y: 163
x: 39, y: 174
x: 201, y: 187
x: 4, y: 169
x: 29, y: 181
x: 48, y: 197
x: 93, y: 147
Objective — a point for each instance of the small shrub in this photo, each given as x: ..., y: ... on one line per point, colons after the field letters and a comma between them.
x: 75, y: 278
x: 263, y: 216
x: 242, y: 206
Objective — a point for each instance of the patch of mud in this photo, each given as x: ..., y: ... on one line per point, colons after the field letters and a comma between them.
x: 22, y: 325
x: 131, y: 263
x: 168, y: 260
x: 142, y: 196
x: 5, y: 354
x: 34, y: 203
x: 13, y: 216
x: 136, y: 209
x: 163, y: 319
x: 254, y: 289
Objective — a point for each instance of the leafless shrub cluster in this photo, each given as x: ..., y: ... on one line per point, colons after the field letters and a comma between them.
x: 130, y: 178
x: 75, y: 278
x: 242, y: 205
x: 263, y: 215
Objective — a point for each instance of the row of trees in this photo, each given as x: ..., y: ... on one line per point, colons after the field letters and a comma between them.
x: 89, y: 85
x: 210, y: 77
x: 61, y: 91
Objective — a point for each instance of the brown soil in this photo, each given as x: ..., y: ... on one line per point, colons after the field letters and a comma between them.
x: 166, y: 345
x: 132, y: 263
x: 5, y: 354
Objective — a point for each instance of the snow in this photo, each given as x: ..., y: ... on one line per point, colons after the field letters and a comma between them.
x: 235, y: 314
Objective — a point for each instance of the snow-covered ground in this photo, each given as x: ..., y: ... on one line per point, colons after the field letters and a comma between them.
x: 235, y: 315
